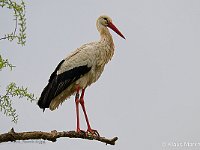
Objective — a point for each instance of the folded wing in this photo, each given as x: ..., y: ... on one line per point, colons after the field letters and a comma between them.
x: 59, y: 82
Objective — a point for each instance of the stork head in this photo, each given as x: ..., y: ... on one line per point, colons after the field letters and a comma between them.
x: 104, y: 22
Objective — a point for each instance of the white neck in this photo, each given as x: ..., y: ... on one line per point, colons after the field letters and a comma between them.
x: 106, y: 37
x: 107, y: 43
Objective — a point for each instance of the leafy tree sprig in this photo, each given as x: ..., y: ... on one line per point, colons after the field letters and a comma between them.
x: 12, y: 90
x: 19, y: 33
x: 20, y: 20
x: 5, y: 63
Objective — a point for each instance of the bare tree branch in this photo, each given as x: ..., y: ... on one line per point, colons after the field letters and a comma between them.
x: 51, y: 136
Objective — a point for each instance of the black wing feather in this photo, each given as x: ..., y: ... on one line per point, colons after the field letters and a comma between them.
x: 58, y: 83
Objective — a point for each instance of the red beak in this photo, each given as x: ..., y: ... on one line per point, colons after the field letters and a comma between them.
x: 112, y: 26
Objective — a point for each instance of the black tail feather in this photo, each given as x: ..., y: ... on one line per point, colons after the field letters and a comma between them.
x: 44, y: 101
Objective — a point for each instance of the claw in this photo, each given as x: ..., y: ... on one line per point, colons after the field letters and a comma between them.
x: 92, y: 132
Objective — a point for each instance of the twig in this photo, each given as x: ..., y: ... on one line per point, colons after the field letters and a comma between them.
x: 16, y: 22
x: 51, y: 136
x: 14, y: 32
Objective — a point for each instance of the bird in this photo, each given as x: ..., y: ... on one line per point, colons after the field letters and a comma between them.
x: 79, y: 70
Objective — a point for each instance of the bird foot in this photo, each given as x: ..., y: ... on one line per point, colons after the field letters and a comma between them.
x: 92, y: 132
x: 89, y: 132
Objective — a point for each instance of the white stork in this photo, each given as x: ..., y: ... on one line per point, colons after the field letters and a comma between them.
x: 79, y: 70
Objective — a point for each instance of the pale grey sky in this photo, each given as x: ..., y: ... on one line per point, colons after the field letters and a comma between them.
x: 148, y: 94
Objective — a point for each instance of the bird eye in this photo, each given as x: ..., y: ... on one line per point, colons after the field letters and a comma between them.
x: 105, y: 19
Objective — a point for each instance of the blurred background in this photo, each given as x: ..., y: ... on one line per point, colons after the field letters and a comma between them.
x: 148, y: 95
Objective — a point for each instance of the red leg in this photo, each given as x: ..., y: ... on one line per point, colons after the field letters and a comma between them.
x: 90, y: 130
x: 77, y: 110
x: 83, y: 107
